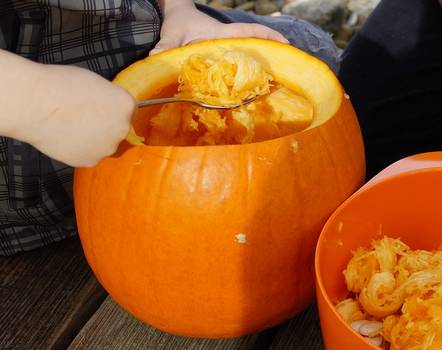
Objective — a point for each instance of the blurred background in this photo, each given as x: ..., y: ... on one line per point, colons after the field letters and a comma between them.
x: 342, y: 18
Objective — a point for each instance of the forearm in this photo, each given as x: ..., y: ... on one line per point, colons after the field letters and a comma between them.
x: 69, y: 113
x: 168, y: 5
x: 19, y: 78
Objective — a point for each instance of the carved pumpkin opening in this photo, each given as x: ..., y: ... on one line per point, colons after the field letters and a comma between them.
x: 229, y: 78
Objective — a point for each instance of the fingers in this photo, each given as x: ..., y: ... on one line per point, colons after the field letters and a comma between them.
x: 253, y: 30
x: 156, y: 50
x: 233, y: 30
x: 163, y: 45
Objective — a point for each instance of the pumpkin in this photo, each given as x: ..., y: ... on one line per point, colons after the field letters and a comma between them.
x: 218, y: 241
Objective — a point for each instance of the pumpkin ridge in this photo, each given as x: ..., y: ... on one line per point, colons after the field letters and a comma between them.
x: 249, y: 184
x: 331, y: 158
x: 152, y: 209
x: 201, y: 168
x: 94, y: 261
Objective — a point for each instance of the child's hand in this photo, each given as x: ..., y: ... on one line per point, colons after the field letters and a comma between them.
x: 75, y: 116
x: 184, y: 24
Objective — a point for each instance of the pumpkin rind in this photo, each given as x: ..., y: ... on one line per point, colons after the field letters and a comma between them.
x: 218, y: 241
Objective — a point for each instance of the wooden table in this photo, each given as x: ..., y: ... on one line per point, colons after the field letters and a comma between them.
x: 49, y: 299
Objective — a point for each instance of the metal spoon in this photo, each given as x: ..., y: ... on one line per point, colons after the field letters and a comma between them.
x: 201, y: 104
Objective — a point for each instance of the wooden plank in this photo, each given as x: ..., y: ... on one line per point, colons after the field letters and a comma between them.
x: 300, y: 333
x: 113, y: 328
x: 46, y: 297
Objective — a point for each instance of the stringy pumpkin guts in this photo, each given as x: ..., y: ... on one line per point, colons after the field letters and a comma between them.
x: 401, y: 288
x: 231, y: 79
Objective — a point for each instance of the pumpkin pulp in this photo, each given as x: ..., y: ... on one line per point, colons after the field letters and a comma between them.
x: 229, y: 79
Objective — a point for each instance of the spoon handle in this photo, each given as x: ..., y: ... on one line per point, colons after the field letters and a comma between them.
x: 157, y: 101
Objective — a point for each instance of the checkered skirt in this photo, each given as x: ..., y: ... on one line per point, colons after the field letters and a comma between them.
x: 103, y: 36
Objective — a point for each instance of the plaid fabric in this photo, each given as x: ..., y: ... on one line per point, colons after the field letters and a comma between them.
x: 103, y: 36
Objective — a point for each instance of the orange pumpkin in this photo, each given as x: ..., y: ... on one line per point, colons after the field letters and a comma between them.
x: 218, y: 241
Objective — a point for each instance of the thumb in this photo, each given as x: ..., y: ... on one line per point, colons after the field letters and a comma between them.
x: 163, y: 45
x: 253, y: 30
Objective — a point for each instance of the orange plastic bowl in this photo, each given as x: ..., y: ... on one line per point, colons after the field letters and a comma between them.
x: 403, y: 201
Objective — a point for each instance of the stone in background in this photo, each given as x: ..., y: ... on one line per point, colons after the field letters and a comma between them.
x: 342, y: 18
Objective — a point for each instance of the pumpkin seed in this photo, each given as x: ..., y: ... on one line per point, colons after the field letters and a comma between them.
x: 356, y: 325
x: 376, y: 341
x: 371, y: 328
